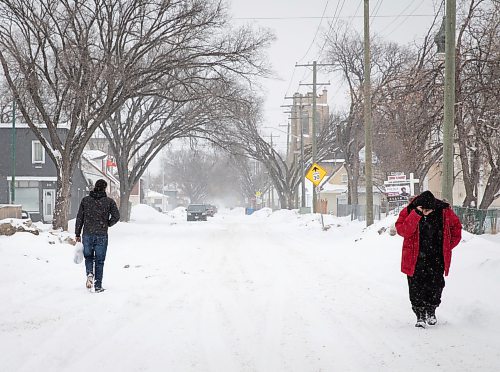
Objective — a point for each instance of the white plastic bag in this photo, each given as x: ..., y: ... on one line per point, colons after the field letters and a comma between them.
x: 78, y: 253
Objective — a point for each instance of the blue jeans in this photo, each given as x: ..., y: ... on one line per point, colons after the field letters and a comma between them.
x: 94, y: 250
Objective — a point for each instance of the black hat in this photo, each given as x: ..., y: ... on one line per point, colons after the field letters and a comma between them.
x: 426, y: 200
x: 100, y: 185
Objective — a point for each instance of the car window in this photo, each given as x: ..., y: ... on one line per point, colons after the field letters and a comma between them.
x: 196, y: 208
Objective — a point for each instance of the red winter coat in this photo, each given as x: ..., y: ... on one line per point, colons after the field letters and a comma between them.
x: 407, y: 227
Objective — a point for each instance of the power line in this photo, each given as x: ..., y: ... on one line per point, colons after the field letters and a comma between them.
x: 397, y: 17
x: 317, y: 30
x: 375, y: 11
x: 291, y: 79
x: 357, y: 9
x: 406, y: 17
x: 333, y: 22
x: 333, y: 17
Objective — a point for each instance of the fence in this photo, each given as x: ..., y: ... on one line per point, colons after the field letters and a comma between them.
x: 479, y: 221
x: 10, y: 211
x: 357, y: 211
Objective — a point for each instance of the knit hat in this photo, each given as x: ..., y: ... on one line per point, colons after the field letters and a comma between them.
x: 100, y: 185
x: 426, y: 200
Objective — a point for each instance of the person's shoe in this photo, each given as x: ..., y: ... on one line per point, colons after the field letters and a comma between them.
x: 420, y: 313
x: 99, y: 290
x: 90, y: 280
x: 420, y: 323
x: 431, y: 317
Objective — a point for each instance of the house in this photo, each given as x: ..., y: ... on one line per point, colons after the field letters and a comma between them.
x: 99, y: 144
x: 96, y: 165
x: 433, y: 182
x: 34, y: 174
x: 334, y: 186
x: 157, y: 200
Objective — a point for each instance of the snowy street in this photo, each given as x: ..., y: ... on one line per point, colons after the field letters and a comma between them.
x: 266, y: 292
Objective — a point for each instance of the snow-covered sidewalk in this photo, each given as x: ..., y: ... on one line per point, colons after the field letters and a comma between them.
x: 266, y: 292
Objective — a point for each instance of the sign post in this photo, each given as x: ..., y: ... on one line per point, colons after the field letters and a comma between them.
x: 397, y: 187
x: 315, y: 174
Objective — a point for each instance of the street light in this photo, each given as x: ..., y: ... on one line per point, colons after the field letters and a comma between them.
x: 440, y: 40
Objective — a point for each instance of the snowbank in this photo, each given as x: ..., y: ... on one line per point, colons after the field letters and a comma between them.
x: 269, y: 292
x: 144, y: 213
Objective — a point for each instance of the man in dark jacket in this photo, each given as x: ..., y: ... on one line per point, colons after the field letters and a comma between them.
x: 97, y: 212
x: 430, y: 230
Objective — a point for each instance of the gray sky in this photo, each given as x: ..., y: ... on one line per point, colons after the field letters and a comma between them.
x: 295, y: 23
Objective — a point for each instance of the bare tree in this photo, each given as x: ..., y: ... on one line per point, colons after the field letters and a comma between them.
x: 240, y: 136
x: 477, y: 97
x: 5, y: 102
x: 250, y: 175
x: 345, y: 53
x: 409, y: 114
x: 211, y: 175
x: 71, y: 64
x: 189, y: 171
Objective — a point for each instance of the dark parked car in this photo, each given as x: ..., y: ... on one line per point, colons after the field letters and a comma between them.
x: 211, y: 210
x: 197, y: 212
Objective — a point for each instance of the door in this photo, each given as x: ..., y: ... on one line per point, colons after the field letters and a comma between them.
x: 48, y: 200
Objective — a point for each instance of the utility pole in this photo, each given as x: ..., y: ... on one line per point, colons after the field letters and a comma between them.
x: 13, y: 155
x: 302, y: 164
x: 314, y: 117
x: 271, y: 187
x: 368, y: 117
x: 298, y: 117
x: 287, y: 131
x: 449, y: 101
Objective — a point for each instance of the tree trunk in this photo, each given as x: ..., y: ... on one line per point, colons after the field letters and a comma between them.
x: 290, y: 196
x: 492, y: 189
x: 125, y: 190
x: 124, y: 204
x: 352, y: 168
x: 63, y: 198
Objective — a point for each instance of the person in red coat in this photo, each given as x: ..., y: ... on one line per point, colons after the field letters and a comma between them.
x: 430, y: 230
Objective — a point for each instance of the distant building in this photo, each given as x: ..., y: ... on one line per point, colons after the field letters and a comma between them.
x: 302, y: 120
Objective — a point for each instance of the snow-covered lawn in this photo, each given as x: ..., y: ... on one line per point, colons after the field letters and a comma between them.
x: 268, y: 292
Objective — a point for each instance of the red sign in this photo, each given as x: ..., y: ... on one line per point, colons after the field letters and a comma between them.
x: 110, y: 163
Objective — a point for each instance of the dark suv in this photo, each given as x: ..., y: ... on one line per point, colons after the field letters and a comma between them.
x: 197, y: 212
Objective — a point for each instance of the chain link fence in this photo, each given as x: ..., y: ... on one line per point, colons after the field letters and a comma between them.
x: 479, y: 221
x: 357, y: 211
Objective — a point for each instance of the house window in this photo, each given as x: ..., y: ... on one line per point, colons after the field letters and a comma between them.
x: 37, y: 153
x: 20, y: 184
x: 28, y: 197
x: 344, y: 178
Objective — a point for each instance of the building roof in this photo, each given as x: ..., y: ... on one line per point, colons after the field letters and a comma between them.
x: 94, y: 154
x: 154, y: 194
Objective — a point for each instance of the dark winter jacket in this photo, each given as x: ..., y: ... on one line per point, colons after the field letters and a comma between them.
x: 97, y: 212
x: 408, y: 226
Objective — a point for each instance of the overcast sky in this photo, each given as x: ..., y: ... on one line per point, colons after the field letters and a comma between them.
x: 295, y: 24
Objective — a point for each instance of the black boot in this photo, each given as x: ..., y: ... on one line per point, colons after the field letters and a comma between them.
x: 431, y: 315
x: 420, y: 313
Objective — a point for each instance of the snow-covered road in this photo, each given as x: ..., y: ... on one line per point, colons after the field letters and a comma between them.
x: 242, y: 293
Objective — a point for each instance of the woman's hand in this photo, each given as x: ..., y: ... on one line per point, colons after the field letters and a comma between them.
x: 424, y: 211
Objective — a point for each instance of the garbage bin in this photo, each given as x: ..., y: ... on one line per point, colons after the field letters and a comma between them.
x: 249, y: 211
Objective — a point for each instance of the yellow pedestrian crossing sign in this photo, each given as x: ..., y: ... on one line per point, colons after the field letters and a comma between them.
x: 315, y: 174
